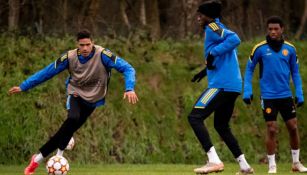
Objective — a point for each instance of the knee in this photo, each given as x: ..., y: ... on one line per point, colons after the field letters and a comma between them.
x: 194, y: 119
x: 73, y: 117
x: 292, y: 126
x: 271, y: 129
x: 292, y: 129
x: 221, y: 128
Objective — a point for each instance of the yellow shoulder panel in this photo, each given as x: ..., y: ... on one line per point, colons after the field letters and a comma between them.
x: 258, y: 45
x: 216, y: 28
x: 288, y: 43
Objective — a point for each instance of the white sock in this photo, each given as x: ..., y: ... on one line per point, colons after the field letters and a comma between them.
x: 60, y: 152
x: 242, y: 162
x: 212, y: 156
x: 38, y: 158
x: 295, y: 155
x: 271, y: 159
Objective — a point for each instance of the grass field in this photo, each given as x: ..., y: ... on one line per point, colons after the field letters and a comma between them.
x: 144, y: 169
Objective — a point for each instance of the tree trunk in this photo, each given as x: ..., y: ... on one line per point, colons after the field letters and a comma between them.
x: 303, y: 22
x: 64, y: 15
x: 90, y: 12
x: 143, y: 13
x: 14, y: 11
x: 123, y: 6
x: 153, y: 18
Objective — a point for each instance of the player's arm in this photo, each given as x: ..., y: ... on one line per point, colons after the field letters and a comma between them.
x: 296, y: 77
x: 112, y: 61
x: 249, y: 71
x: 230, y: 40
x: 41, y: 76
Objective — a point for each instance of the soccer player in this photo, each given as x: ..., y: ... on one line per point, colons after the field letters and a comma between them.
x: 277, y: 59
x: 224, y: 86
x: 90, y: 67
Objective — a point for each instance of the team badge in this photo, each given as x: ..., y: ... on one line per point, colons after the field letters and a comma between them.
x: 285, y: 52
x: 268, y: 110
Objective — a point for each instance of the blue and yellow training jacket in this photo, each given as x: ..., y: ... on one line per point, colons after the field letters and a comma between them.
x: 275, y: 71
x: 221, y: 43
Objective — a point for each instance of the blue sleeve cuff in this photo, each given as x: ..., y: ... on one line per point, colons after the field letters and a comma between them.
x: 22, y: 87
x: 129, y: 89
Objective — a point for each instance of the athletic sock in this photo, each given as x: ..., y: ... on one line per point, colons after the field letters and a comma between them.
x: 295, y: 155
x: 60, y: 152
x: 38, y: 158
x: 212, y: 156
x: 271, y: 160
x: 242, y: 162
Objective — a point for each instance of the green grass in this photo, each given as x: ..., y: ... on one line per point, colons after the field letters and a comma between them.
x: 145, y: 169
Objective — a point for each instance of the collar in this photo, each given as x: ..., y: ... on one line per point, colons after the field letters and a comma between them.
x: 275, y: 44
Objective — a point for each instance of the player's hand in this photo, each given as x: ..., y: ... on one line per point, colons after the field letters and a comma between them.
x: 132, y: 97
x: 247, y: 100
x: 299, y: 102
x: 210, y: 59
x: 15, y: 90
x: 200, y: 75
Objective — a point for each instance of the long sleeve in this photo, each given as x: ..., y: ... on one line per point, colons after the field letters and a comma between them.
x: 249, y: 71
x: 230, y: 41
x: 44, y: 74
x: 121, y: 66
x: 294, y: 67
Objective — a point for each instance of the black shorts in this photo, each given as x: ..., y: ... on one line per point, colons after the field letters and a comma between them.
x: 271, y: 107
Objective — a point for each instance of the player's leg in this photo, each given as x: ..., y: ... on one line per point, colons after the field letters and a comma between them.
x: 205, y: 105
x: 270, y: 115
x: 52, y: 143
x: 287, y: 110
x: 68, y: 127
x: 222, y: 117
x: 85, y: 112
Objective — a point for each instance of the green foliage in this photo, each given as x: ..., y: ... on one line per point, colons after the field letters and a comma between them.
x: 153, y: 131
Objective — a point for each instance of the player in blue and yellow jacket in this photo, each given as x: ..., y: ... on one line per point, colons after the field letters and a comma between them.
x: 224, y: 86
x: 90, y: 67
x: 277, y: 62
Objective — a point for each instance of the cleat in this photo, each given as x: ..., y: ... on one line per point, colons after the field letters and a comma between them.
x: 272, y: 169
x: 246, y: 171
x: 299, y: 167
x: 210, y: 168
x: 29, y: 170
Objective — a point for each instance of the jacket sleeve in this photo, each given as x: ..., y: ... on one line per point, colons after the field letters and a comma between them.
x: 249, y: 71
x: 230, y: 41
x: 44, y: 74
x: 296, y: 77
x: 122, y: 66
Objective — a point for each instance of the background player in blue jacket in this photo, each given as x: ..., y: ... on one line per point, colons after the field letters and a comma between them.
x: 224, y: 86
x: 278, y: 61
x: 89, y: 66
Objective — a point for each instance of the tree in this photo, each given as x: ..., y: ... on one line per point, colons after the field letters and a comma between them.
x: 303, y: 22
x: 14, y: 12
x: 153, y: 18
x: 123, y: 6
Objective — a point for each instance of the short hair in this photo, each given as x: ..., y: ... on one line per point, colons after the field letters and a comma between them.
x: 275, y: 20
x: 83, y: 34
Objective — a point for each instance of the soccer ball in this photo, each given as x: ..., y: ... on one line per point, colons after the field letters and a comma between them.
x: 70, y: 144
x: 57, y: 165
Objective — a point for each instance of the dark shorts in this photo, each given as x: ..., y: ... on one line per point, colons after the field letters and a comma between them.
x: 271, y: 107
